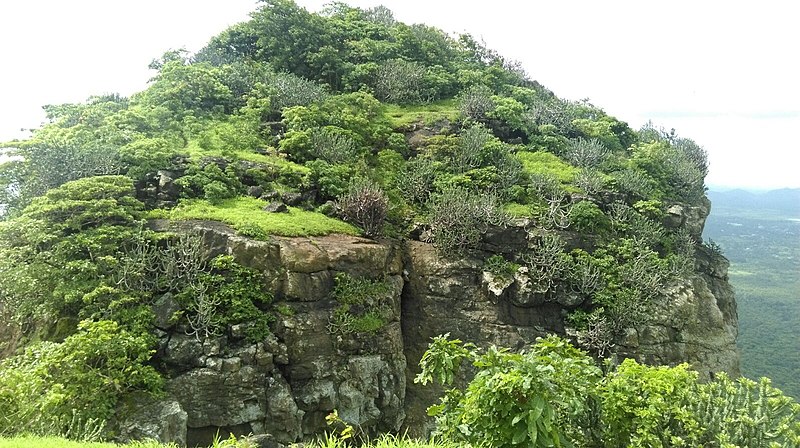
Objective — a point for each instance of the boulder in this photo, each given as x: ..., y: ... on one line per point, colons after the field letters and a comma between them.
x: 163, y: 421
x: 255, y: 191
x: 276, y: 207
x: 292, y: 198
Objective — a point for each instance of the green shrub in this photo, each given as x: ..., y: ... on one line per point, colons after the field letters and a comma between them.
x: 500, y: 267
x: 613, y: 134
x: 51, y: 385
x: 147, y: 155
x: 554, y: 395
x: 45, y: 163
x: 358, y: 115
x: 330, y: 181
x: 79, y: 227
x: 507, y: 111
x: 586, y: 216
x: 646, y: 406
x: 362, y: 306
x: 539, y: 397
x: 228, y: 294
x: 207, y: 180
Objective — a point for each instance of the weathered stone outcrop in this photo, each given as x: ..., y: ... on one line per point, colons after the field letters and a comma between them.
x: 286, y: 385
x: 696, y: 324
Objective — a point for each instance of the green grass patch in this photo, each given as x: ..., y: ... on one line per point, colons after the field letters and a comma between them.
x: 402, y: 116
x: 245, y: 214
x: 195, y: 151
x: 383, y: 441
x: 49, y: 442
x: 58, y: 442
x: 548, y: 164
x: 516, y: 210
x: 272, y: 160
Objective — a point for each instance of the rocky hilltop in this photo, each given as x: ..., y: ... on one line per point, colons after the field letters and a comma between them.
x: 276, y: 227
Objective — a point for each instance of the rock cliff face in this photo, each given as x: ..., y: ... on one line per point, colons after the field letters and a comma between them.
x: 286, y: 385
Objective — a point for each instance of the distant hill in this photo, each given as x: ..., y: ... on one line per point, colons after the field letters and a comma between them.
x: 785, y: 200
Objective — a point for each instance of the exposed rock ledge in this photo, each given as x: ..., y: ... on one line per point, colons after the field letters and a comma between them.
x: 286, y: 385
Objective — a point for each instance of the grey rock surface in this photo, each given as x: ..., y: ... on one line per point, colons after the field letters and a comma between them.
x: 281, y: 389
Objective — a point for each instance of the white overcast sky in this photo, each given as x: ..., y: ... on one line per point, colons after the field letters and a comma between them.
x: 724, y: 73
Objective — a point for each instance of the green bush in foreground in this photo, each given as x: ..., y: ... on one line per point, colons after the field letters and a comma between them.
x: 554, y: 396
x: 71, y: 388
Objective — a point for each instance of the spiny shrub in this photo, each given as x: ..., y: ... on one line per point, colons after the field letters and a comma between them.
x: 746, y: 413
x: 417, y: 178
x: 470, y: 151
x: 586, y: 153
x: 333, y: 145
x: 476, y: 103
x: 635, y: 183
x: 400, y: 82
x: 549, y: 110
x: 459, y: 217
x: 589, y: 180
x: 228, y: 294
x: 365, y: 205
x: 289, y: 90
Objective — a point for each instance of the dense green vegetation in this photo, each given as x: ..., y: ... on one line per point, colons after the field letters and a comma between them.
x: 357, y: 124
x: 554, y: 395
x: 760, y: 235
